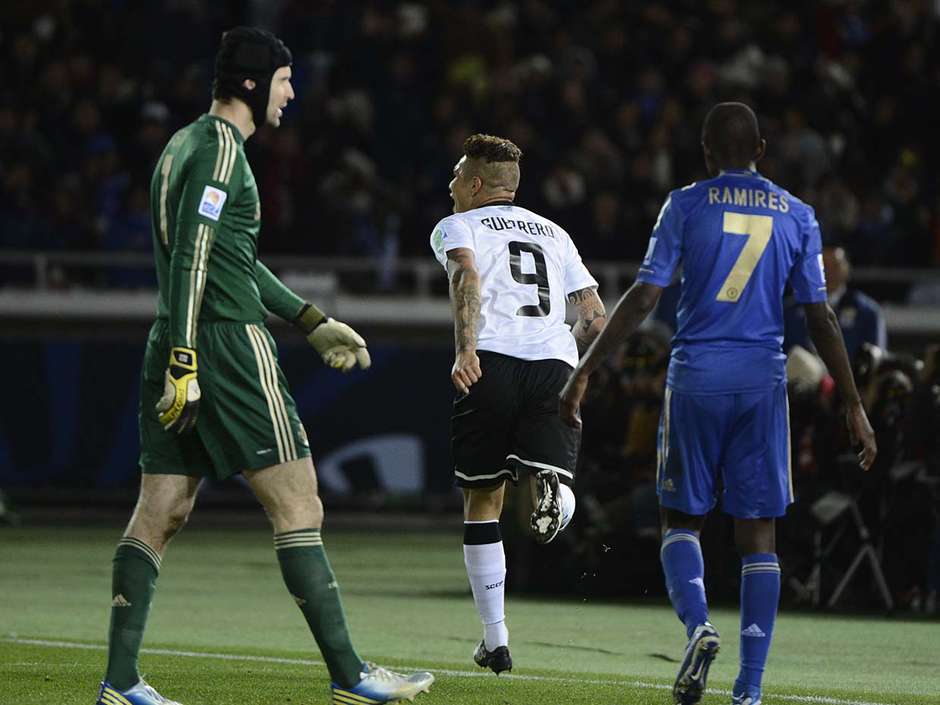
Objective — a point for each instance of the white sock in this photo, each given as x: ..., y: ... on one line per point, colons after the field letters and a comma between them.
x: 566, y: 495
x: 495, y: 635
x: 486, y: 570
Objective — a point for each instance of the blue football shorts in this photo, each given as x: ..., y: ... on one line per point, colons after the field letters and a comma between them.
x: 741, y: 439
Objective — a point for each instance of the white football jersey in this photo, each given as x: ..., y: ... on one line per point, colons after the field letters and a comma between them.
x: 528, y: 265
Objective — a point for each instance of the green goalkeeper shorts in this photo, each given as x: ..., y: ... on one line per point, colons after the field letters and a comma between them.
x: 247, y: 419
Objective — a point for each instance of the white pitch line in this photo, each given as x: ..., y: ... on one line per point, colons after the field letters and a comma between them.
x: 821, y: 699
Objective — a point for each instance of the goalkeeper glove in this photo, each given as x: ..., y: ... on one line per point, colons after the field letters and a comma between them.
x: 340, y: 346
x: 179, y: 404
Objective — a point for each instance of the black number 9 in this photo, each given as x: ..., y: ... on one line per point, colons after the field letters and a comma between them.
x: 540, y: 278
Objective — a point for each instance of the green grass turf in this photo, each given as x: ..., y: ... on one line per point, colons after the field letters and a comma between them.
x: 408, y: 606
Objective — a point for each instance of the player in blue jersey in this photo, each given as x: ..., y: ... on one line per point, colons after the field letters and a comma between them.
x: 724, y: 430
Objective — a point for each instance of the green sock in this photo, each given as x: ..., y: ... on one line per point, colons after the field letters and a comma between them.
x: 133, y: 580
x: 310, y: 580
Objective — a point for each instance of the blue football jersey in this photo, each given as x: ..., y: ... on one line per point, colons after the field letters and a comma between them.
x: 739, y: 238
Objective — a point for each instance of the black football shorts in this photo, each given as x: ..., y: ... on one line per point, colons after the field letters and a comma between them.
x: 509, y: 423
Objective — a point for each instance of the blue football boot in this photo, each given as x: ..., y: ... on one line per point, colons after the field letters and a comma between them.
x: 699, y: 654
x: 140, y: 694
x: 379, y: 685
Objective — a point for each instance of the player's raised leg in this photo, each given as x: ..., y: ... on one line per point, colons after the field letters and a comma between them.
x: 553, y: 505
x: 289, y: 494
x: 485, y: 560
x: 163, y: 507
x: 545, y: 448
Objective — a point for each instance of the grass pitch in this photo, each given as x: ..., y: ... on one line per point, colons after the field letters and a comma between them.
x: 223, y: 630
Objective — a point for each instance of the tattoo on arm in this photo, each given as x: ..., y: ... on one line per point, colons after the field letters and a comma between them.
x: 591, y: 316
x: 633, y: 307
x: 465, y: 295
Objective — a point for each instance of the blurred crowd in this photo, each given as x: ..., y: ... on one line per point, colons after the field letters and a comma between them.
x: 605, y: 98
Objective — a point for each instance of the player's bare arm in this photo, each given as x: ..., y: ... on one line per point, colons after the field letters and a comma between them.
x: 632, y: 309
x: 465, y: 297
x: 591, y: 316
x: 824, y: 329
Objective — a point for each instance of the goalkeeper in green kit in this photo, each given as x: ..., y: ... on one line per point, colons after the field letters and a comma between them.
x: 214, y: 401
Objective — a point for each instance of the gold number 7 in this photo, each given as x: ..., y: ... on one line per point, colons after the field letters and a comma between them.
x: 758, y: 229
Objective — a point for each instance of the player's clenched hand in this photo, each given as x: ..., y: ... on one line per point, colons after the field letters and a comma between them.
x: 340, y: 346
x: 179, y: 405
x: 569, y: 400
x: 861, y: 434
x: 466, y: 370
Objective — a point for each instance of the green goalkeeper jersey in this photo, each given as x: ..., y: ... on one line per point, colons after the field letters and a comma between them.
x: 206, y: 216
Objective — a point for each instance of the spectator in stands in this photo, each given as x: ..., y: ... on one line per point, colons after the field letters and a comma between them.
x: 860, y: 316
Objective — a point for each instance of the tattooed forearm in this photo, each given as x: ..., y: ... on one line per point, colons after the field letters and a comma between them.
x: 591, y: 316
x: 633, y: 307
x: 465, y: 295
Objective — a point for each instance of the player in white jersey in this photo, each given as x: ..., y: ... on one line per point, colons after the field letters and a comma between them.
x: 511, y: 272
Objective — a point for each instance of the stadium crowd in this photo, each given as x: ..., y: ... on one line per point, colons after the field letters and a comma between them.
x: 605, y: 98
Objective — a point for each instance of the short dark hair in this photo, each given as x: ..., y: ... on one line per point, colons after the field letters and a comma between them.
x: 731, y: 134
x: 491, y: 149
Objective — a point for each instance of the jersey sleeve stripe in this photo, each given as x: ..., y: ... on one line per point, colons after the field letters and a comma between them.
x: 202, y: 274
x: 232, y: 153
x: 191, y: 298
x: 218, y: 154
x: 265, y: 387
x: 165, y: 169
x: 224, y: 152
x: 197, y: 281
x: 229, y: 147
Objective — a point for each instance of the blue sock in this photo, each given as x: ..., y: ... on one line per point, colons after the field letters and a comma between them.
x: 684, y: 568
x: 760, y: 593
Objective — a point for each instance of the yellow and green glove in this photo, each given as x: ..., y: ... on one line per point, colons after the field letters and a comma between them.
x: 179, y: 405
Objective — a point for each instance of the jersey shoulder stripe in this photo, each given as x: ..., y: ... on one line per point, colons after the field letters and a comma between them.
x: 226, y: 151
x: 207, y: 148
